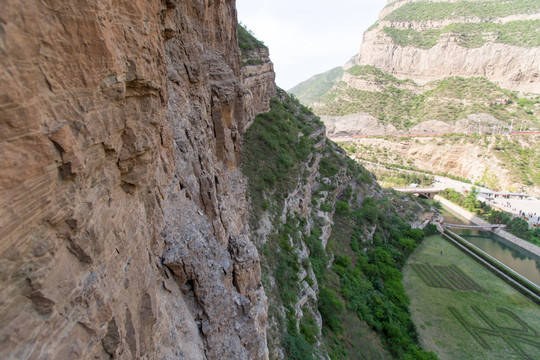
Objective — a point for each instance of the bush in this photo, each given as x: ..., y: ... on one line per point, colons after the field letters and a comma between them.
x: 308, y: 328
x: 327, y: 168
x: 342, y: 207
x: 297, y: 347
x: 246, y: 40
x: 326, y: 207
x: 331, y: 308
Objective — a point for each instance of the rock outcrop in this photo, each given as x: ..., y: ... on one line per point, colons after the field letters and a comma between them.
x: 499, y: 162
x: 510, y: 66
x: 258, y: 77
x: 123, y: 215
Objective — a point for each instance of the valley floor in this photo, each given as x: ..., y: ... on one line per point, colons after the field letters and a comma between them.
x: 490, y: 320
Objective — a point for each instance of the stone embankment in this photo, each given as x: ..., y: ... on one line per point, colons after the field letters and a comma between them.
x: 533, y: 249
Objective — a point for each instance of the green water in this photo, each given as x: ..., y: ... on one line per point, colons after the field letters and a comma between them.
x: 519, y: 260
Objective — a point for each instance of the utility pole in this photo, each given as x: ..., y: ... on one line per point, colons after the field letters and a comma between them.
x: 511, y: 125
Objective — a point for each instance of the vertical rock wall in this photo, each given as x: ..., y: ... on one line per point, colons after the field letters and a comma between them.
x: 123, y: 216
x: 510, y: 66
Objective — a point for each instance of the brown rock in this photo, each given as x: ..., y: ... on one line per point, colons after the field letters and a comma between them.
x: 120, y: 131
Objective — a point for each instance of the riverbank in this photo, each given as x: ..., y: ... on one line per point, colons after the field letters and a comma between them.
x: 533, y: 249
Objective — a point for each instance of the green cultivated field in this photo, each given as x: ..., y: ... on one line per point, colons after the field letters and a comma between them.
x: 489, y: 320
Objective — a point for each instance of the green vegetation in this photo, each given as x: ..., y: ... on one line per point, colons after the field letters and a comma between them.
x: 367, y: 283
x: 446, y: 100
x: 247, y: 42
x: 361, y: 299
x: 282, y: 135
x: 310, y: 90
x: 395, y: 178
x: 421, y: 39
x: 485, y: 10
x: 514, y: 225
x: 387, y: 106
x: 524, y: 33
x: 468, y: 202
x: 437, y: 324
x: 374, y: 74
x: 521, y: 158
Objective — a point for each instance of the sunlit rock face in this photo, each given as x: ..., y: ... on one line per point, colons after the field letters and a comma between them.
x: 492, y: 53
x: 123, y: 215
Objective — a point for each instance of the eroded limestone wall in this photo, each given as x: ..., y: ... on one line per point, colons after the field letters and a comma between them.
x: 123, y: 216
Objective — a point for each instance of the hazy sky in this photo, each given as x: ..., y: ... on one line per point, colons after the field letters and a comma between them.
x: 307, y: 37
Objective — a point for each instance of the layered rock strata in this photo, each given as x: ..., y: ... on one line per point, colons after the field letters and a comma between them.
x: 510, y: 66
x: 123, y: 214
x: 257, y: 75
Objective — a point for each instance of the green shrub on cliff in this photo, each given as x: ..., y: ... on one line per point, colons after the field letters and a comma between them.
x: 277, y: 148
x: 485, y: 10
x: 366, y: 279
x: 248, y: 42
x: 282, y: 135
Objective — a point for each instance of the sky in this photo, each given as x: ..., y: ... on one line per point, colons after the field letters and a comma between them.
x: 308, y: 37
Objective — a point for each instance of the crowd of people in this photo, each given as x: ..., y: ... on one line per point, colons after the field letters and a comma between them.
x: 531, y: 217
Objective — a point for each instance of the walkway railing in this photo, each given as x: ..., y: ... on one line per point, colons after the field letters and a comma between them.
x: 491, y: 226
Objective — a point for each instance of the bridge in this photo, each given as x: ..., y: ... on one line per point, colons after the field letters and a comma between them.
x: 490, y: 226
x: 426, y: 193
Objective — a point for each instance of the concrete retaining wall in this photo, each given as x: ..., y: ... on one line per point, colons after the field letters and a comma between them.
x: 533, y: 249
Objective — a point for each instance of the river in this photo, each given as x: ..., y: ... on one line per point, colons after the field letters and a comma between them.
x: 519, y: 260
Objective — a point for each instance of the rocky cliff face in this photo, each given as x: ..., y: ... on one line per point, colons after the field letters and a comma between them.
x: 258, y: 76
x: 429, y: 41
x: 123, y: 216
x: 498, y: 162
x: 436, y: 67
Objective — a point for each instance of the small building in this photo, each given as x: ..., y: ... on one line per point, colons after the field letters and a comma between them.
x: 488, y: 194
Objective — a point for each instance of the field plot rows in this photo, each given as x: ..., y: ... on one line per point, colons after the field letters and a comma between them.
x: 463, y: 311
x: 449, y: 277
x: 524, y: 334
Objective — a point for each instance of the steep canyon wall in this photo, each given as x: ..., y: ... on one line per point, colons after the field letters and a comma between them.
x: 123, y: 214
x: 511, y: 66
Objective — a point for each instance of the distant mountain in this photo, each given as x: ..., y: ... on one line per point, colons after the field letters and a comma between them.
x: 427, y: 41
x: 316, y: 86
x: 441, y: 66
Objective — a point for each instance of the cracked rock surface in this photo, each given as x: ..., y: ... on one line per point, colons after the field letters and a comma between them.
x: 123, y: 216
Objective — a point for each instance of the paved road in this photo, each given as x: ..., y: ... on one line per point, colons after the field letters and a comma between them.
x: 513, y: 206
x: 447, y: 183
